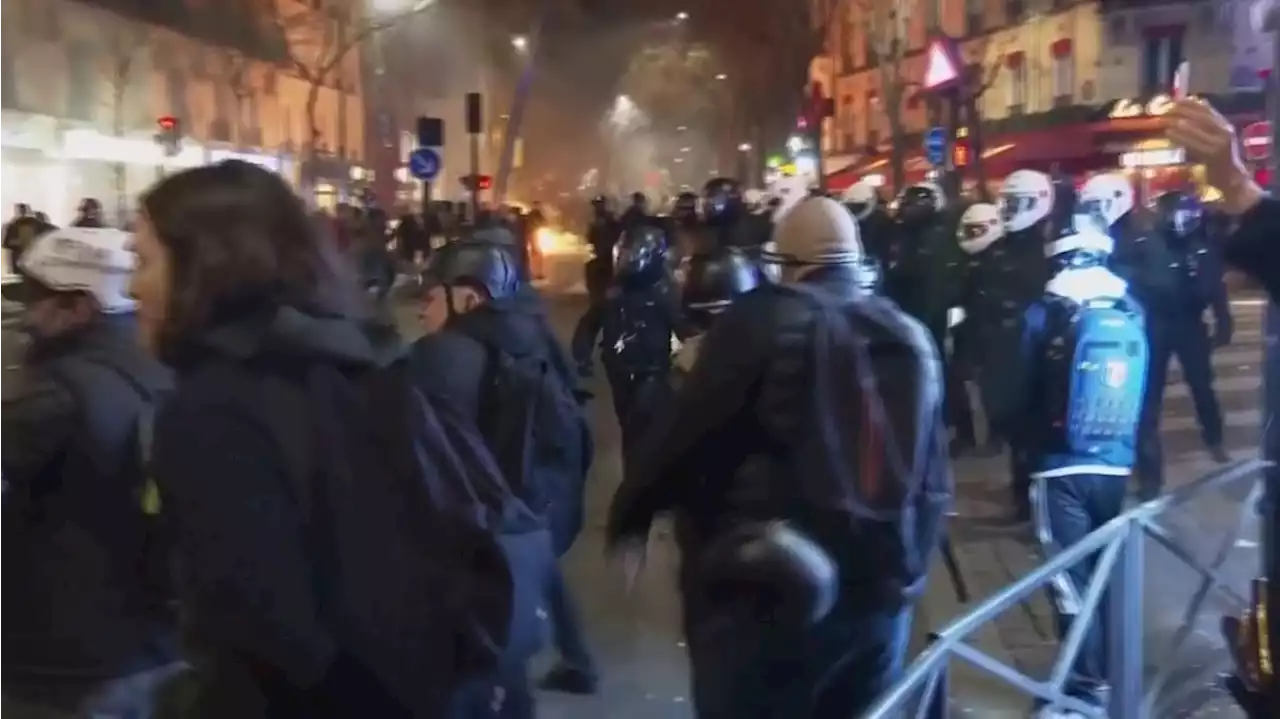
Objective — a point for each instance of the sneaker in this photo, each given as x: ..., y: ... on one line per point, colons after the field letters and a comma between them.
x: 570, y: 680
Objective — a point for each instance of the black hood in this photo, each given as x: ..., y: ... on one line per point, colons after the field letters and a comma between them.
x: 513, y: 324
x: 518, y: 326
x: 291, y: 334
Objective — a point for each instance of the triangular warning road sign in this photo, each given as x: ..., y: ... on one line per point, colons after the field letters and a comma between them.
x: 940, y: 66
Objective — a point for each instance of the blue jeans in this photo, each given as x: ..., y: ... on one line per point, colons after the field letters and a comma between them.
x: 566, y: 626
x: 132, y: 696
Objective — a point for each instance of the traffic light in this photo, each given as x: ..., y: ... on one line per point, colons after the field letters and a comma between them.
x: 169, y: 134
x: 476, y: 182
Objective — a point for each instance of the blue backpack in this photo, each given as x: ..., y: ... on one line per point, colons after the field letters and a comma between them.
x: 1107, y: 347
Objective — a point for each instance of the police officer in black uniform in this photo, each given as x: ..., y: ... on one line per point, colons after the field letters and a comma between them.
x: 725, y: 215
x: 634, y: 323
x: 1191, y: 281
x: 925, y: 284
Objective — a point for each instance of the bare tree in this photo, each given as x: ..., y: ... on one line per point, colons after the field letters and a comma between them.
x: 122, y: 46
x: 319, y: 40
x: 888, y: 24
x: 758, y: 78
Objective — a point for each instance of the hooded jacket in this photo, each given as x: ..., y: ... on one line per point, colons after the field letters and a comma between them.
x: 78, y: 602
x: 248, y: 579
x: 453, y: 364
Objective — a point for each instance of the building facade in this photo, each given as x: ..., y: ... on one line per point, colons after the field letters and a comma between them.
x: 85, y: 83
x: 1060, y: 84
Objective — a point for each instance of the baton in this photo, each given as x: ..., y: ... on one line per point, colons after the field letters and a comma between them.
x: 953, y: 570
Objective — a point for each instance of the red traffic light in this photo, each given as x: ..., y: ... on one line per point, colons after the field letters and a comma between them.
x: 167, y: 123
x: 476, y: 182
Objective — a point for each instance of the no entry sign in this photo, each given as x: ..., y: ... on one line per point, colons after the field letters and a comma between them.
x: 1256, y: 139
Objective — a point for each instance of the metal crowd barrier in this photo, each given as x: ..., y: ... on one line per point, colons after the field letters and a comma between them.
x: 923, y: 690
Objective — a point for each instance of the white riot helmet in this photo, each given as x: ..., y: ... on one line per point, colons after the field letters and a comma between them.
x: 861, y: 199
x: 980, y: 227
x: 1025, y: 199
x: 1106, y: 198
x: 96, y: 260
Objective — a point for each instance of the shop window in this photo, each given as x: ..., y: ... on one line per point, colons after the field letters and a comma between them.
x: 1162, y: 52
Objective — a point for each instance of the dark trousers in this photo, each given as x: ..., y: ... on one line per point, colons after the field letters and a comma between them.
x: 566, y: 626
x: 505, y: 696
x: 1020, y: 476
x: 1065, y: 509
x: 958, y: 407
x: 743, y: 669
x: 1189, y: 341
x: 629, y: 401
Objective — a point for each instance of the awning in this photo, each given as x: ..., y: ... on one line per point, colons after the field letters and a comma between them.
x: 843, y: 179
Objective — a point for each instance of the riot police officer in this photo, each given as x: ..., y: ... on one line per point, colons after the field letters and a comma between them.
x: 925, y: 284
x: 876, y: 227
x: 724, y: 214
x: 1191, y: 282
x: 634, y: 323
x: 1012, y: 279
x: 602, y: 232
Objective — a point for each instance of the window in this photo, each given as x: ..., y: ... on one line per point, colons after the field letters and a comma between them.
x: 1014, y: 10
x: 872, y: 114
x: 1017, y: 65
x: 868, y: 45
x: 932, y: 15
x: 1162, y: 52
x: 1064, y: 73
x: 973, y: 17
x: 846, y: 44
x: 81, y: 73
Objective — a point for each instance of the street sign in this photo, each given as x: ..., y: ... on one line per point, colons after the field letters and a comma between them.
x: 942, y: 65
x: 424, y: 163
x: 1256, y: 139
x: 935, y: 146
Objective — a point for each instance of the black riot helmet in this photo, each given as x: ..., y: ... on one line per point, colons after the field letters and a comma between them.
x: 685, y: 208
x: 920, y: 203
x: 640, y: 254
x: 770, y: 570
x: 600, y: 204
x: 721, y: 201
x: 714, y: 280
x: 474, y: 263
x: 1178, y: 214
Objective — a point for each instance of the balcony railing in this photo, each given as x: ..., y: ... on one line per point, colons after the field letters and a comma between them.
x: 1120, y: 546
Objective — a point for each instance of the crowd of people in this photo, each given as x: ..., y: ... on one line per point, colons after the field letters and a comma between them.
x: 232, y: 490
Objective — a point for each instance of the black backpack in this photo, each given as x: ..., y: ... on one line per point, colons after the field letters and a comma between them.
x: 539, y: 436
x: 877, y: 475
x: 429, y: 571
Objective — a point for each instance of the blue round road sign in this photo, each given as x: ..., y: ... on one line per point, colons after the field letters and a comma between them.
x: 935, y: 145
x: 424, y: 163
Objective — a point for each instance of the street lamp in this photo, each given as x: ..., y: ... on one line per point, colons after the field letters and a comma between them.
x: 686, y: 149
x: 722, y: 76
x: 744, y: 147
x: 679, y: 159
x: 520, y: 43
x: 682, y: 16
x: 681, y: 128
